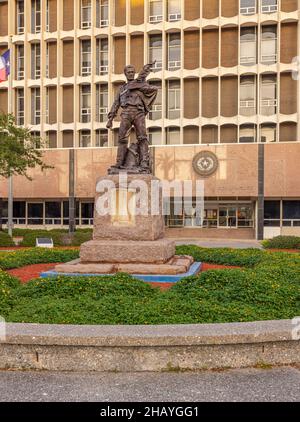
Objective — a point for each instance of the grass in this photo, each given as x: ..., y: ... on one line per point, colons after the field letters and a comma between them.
x: 266, y: 288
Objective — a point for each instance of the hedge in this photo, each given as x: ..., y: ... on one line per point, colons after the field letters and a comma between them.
x: 223, y: 256
x: 21, y: 258
x: 59, y: 238
x: 282, y: 242
x: 5, y: 239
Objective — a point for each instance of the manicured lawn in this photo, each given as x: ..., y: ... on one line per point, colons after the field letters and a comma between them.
x: 266, y: 287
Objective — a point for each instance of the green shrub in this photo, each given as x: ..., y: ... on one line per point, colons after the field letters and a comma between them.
x: 223, y: 256
x: 213, y: 296
x: 5, y: 239
x: 29, y: 239
x: 21, y: 258
x: 7, y: 286
x: 60, y: 237
x: 282, y: 242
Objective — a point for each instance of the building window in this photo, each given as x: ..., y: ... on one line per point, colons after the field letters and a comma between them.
x: 35, y: 106
x: 86, y: 14
x: 51, y: 139
x: 173, y: 99
x: 85, y: 139
x: 268, y: 95
x: 19, y: 213
x: 245, y: 216
x: 102, y: 56
x: 155, y: 11
x: 269, y: 6
x: 20, y: 61
x: 35, y: 16
x: 47, y: 16
x: 172, y: 135
x: 247, y: 133
x: 174, y: 51
x: 35, y: 61
x: 155, y: 51
x: 248, y: 53
x: 20, y: 17
x: 174, y: 10
x: 85, y: 103
x: 47, y: 60
x: 291, y: 213
x: 102, y: 102
x: 248, y: 7
x: 102, y: 13
x: 20, y: 106
x: 35, y: 213
x: 156, y: 109
x: 268, y: 132
x: 269, y: 44
x: 248, y: 95
x: 47, y: 106
x: 86, y: 58
x: 155, y: 137
x: 272, y: 214
x: 87, y: 213
x: 101, y: 138
x: 53, y: 213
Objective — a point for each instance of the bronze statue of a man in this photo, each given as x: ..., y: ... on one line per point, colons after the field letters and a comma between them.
x: 135, y: 99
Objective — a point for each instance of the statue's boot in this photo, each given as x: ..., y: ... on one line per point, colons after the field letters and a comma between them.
x: 121, y: 155
x: 144, y: 154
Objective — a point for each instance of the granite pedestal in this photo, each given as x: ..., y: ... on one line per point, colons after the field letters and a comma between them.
x: 128, y: 233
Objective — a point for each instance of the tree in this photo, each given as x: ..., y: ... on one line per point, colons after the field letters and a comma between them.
x: 19, y: 150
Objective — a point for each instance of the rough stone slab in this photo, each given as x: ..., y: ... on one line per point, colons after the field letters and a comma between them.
x: 176, y: 265
x: 161, y: 269
x: 86, y: 268
x: 116, y: 251
x: 144, y: 227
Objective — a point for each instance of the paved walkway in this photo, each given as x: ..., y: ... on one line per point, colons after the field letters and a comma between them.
x: 221, y: 243
x: 266, y: 385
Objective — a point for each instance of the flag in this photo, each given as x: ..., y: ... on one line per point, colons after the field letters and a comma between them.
x: 4, y: 66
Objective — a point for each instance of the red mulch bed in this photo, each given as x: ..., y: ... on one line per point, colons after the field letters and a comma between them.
x: 31, y: 272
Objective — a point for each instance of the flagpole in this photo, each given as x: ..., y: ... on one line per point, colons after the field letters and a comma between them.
x: 10, y: 111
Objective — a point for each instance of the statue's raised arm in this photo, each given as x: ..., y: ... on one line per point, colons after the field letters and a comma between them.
x: 145, y: 72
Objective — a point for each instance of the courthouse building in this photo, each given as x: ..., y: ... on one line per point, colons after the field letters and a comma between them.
x: 227, y: 109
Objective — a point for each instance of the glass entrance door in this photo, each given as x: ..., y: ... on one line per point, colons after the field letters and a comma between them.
x: 227, y: 217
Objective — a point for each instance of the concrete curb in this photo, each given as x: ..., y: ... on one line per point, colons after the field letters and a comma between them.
x: 148, y: 348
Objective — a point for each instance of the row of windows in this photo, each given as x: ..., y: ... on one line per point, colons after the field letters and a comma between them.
x: 277, y: 213
x: 158, y: 10
x: 248, y: 100
x: 249, y: 52
x: 191, y: 135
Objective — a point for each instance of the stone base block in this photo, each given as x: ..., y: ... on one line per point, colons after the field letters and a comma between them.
x: 176, y: 265
x: 127, y: 252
